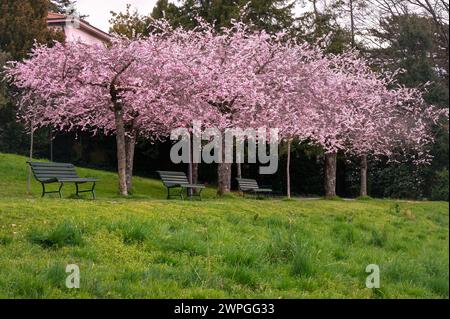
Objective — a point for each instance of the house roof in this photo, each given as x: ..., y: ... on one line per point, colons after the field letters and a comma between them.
x: 53, y: 15
x: 57, y: 19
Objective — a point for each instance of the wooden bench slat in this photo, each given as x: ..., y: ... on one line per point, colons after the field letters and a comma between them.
x: 39, y: 176
x: 50, y: 172
x: 53, y: 169
x: 55, y: 172
x: 171, y: 173
x: 251, y: 185
x: 177, y: 180
x: 173, y: 177
x: 46, y: 165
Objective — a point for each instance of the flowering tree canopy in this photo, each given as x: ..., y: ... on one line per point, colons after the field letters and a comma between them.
x: 232, y: 78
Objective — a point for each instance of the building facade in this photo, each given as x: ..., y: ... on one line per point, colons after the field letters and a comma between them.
x: 77, y: 29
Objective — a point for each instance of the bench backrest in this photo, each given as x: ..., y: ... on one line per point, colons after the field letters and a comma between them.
x: 173, y: 178
x: 247, y: 184
x: 47, y: 171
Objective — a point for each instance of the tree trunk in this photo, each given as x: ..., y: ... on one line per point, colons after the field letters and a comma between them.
x: 330, y: 175
x: 352, y: 23
x: 316, y: 11
x: 288, y: 170
x: 130, y: 147
x: 223, y: 173
x: 223, y: 178
x: 239, y: 170
x: 194, y: 173
x: 31, y: 158
x: 363, y: 190
x: 195, y: 176
x: 121, y: 152
x: 190, y: 191
x: 50, y: 136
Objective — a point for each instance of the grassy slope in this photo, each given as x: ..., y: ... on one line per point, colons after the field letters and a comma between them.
x: 147, y: 247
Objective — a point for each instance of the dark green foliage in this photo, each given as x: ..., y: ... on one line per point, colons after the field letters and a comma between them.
x: 21, y: 23
x: 129, y: 24
x: 269, y: 15
x: 396, y: 180
x: 414, y: 47
x: 320, y: 26
x: 439, y: 189
x: 272, y: 16
x: 14, y: 138
x: 4, y: 94
x: 167, y: 10
x: 63, y: 6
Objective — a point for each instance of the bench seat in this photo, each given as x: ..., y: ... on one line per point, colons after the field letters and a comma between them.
x: 179, y: 180
x: 250, y: 186
x: 50, y: 172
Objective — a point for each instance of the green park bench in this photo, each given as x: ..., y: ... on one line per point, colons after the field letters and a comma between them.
x: 49, y: 173
x: 179, y: 180
x: 250, y: 186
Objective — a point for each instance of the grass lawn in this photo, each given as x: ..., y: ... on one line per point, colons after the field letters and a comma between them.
x: 147, y: 247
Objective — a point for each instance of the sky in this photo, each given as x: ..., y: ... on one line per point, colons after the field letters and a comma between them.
x: 99, y: 10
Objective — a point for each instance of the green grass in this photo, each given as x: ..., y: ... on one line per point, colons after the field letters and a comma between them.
x: 147, y: 247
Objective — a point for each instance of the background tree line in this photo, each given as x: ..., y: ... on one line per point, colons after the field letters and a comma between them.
x: 407, y: 34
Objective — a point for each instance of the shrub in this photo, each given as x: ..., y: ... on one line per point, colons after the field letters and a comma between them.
x: 440, y: 186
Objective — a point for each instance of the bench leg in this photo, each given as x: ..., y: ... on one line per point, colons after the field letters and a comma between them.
x: 195, y: 193
x: 93, y: 191
x: 179, y: 195
x: 59, y: 190
x: 199, y: 193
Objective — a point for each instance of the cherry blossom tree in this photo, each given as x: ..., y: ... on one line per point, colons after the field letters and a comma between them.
x: 363, y: 112
x: 233, y: 78
x: 230, y: 80
x: 112, y: 89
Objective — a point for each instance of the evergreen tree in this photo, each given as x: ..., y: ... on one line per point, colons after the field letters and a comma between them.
x: 67, y: 7
x: 411, y: 44
x: 323, y: 27
x: 270, y: 15
x: 62, y: 6
x: 4, y: 96
x: 21, y: 23
x: 129, y: 24
x: 167, y: 10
